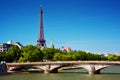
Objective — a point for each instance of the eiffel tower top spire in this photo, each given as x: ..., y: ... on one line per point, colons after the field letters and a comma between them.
x: 41, y: 41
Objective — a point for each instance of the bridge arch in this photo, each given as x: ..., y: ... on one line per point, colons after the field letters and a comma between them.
x: 18, y: 68
x: 49, y: 68
x: 93, y: 68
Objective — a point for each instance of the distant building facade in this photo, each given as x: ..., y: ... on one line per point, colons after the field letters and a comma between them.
x: 5, y: 46
x: 66, y: 49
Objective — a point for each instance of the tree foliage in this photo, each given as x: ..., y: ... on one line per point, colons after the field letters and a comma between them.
x: 35, y: 53
x: 79, y: 55
x: 112, y: 57
x: 49, y: 53
x: 13, y: 54
x: 3, y: 56
x: 31, y: 53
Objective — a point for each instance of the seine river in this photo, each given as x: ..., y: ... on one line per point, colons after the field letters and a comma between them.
x: 110, y: 73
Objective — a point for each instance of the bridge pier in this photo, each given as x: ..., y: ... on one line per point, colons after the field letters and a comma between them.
x: 54, y: 71
x: 94, y: 72
x: 92, y: 69
x: 46, y: 71
x: 50, y: 69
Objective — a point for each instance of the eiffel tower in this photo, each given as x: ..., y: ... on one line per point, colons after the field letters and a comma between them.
x: 41, y: 40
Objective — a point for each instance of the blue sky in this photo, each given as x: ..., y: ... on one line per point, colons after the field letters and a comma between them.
x: 89, y: 25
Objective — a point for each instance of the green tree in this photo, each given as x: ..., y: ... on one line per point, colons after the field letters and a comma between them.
x: 104, y: 58
x: 49, y: 53
x: 118, y: 58
x: 82, y: 55
x: 112, y: 57
x: 76, y: 56
x: 13, y: 53
x: 3, y: 56
x: 31, y: 53
x: 57, y: 56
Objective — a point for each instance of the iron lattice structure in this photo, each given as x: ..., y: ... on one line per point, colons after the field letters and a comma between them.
x: 41, y: 40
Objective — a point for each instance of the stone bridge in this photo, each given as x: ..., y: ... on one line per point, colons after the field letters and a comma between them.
x: 93, y: 67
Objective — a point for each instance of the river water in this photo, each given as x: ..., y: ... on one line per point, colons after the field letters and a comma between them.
x: 110, y: 73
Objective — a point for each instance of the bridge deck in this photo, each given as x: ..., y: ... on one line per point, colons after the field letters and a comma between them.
x: 67, y: 62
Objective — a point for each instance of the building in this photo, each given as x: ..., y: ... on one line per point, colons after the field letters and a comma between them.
x: 66, y: 49
x: 5, y: 46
